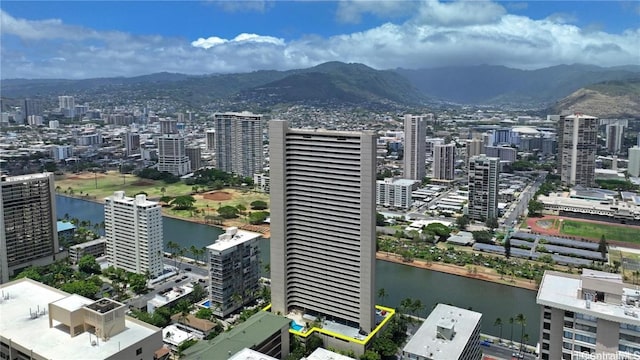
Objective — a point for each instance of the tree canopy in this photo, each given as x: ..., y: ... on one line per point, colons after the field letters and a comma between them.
x: 259, y: 205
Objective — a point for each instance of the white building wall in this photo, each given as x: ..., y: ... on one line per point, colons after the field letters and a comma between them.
x: 133, y: 229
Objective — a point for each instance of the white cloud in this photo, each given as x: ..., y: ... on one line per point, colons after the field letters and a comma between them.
x: 242, y: 38
x: 446, y: 34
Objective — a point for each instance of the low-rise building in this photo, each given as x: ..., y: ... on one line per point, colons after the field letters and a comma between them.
x: 95, y: 248
x: 66, y: 230
x: 41, y: 322
x: 264, y: 332
x: 168, y: 297
x: 448, y: 333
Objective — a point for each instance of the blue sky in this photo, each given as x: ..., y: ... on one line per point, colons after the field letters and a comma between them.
x: 81, y: 39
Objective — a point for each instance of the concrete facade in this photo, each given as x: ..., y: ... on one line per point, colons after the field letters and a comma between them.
x: 234, y: 270
x: 28, y: 224
x: 394, y: 193
x: 415, y: 132
x: 238, y: 143
x: 634, y: 161
x: 39, y: 322
x: 194, y: 153
x: 577, y: 145
x: 133, y: 229
x: 588, y: 316
x: 172, y: 156
x: 323, y: 223
x: 444, y: 162
x: 483, y: 187
x: 449, y: 333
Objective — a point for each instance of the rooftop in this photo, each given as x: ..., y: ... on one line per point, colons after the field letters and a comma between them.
x: 428, y: 341
x: 324, y: 354
x: 64, y: 226
x: 139, y: 200
x: 248, y: 354
x: 246, y: 335
x: 16, y: 324
x: 232, y: 238
x: 26, y: 177
x: 559, y: 290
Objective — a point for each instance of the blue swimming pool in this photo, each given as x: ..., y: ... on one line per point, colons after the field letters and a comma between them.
x: 206, y: 303
x: 297, y: 327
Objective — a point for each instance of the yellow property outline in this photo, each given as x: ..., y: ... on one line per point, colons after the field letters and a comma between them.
x: 391, y: 312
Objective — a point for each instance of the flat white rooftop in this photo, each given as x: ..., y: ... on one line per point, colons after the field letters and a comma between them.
x: 324, y: 354
x: 175, y: 336
x: 27, y: 177
x: 426, y: 342
x: 236, y: 238
x: 248, y: 354
x: 560, y: 291
x: 17, y: 325
x: 139, y: 200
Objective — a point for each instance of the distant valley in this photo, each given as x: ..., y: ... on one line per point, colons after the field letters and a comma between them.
x: 337, y: 83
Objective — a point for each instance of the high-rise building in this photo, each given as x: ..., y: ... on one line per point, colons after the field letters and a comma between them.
x: 168, y: 126
x: 323, y: 223
x: 444, y: 162
x: 634, y: 161
x: 67, y: 105
x: 61, y: 152
x: 32, y: 107
x: 415, y: 133
x: 238, y: 143
x: 449, y: 333
x: 483, y: 187
x: 28, y: 231
x: 394, y: 193
x: 588, y: 316
x: 172, y: 156
x: 614, y: 138
x: 577, y: 144
x: 194, y: 153
x: 211, y: 140
x: 132, y: 143
x: 234, y: 270
x: 474, y: 147
x: 133, y: 229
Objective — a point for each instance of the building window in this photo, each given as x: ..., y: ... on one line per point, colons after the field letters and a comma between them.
x: 546, y: 336
x: 547, y: 326
x: 139, y: 351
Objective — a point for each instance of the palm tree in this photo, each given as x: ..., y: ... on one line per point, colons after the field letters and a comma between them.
x: 382, y: 293
x: 511, y: 322
x: 417, y: 307
x: 526, y: 338
x: 522, y: 320
x: 195, y: 252
x: 173, y: 248
x: 498, y: 322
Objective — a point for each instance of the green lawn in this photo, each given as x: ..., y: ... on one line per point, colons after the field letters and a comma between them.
x: 108, y: 183
x: 595, y: 231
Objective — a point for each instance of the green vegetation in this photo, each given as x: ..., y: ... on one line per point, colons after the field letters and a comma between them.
x: 259, y: 205
x: 595, y: 231
x: 617, y: 185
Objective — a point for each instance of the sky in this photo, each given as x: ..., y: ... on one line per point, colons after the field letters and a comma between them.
x: 88, y: 39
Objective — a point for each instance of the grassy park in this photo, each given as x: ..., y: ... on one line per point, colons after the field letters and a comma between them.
x: 589, y: 230
x: 96, y: 187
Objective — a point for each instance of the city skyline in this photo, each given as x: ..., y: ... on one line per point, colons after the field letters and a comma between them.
x: 95, y: 39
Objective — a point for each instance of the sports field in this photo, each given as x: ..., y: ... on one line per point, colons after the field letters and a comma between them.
x: 592, y: 230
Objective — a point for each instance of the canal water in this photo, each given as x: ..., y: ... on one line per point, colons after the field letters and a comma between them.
x: 399, y: 281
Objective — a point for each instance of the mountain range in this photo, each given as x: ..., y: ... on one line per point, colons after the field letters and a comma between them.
x: 340, y: 83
